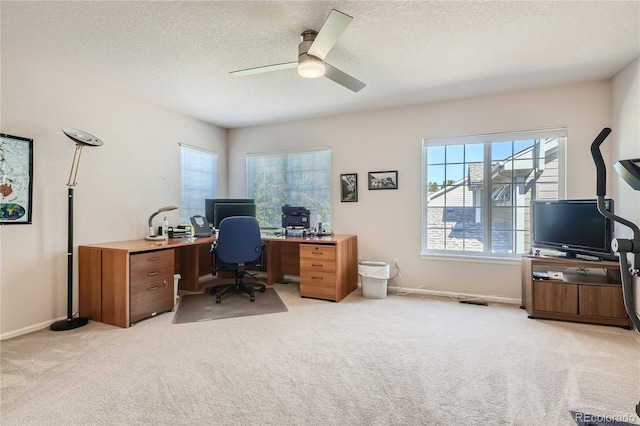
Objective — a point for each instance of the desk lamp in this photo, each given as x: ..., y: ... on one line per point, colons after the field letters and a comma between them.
x: 152, y: 235
x: 81, y: 139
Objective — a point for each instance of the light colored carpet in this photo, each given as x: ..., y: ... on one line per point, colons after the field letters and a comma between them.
x: 396, y: 361
x: 203, y: 307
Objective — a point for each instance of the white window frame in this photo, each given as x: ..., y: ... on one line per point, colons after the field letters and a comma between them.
x: 198, y: 180
x: 314, y: 203
x: 486, y: 202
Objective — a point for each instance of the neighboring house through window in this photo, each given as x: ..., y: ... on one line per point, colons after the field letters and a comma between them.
x: 478, y: 189
x: 301, y: 179
x: 198, y: 180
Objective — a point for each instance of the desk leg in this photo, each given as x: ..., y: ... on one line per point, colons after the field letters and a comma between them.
x: 116, y: 293
x: 274, y: 268
x: 90, y: 283
x: 283, y: 257
x: 189, y: 267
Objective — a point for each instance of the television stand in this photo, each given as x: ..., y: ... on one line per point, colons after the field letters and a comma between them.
x: 593, y: 297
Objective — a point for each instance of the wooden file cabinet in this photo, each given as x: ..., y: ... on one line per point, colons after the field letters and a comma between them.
x: 122, y: 283
x: 151, y: 284
x: 328, y: 271
x: 582, y: 297
x: 318, y: 271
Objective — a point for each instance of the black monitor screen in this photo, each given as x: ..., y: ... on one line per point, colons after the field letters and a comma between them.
x: 210, y: 203
x: 224, y: 210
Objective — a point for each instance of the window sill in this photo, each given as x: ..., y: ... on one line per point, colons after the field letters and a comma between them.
x: 506, y: 260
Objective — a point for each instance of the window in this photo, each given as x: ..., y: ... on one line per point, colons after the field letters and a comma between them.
x: 300, y: 179
x: 198, y: 180
x: 478, y: 189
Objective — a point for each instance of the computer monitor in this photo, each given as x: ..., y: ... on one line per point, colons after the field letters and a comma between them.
x: 224, y: 210
x: 209, y: 205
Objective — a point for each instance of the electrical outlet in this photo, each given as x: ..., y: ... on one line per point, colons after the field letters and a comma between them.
x: 396, y: 263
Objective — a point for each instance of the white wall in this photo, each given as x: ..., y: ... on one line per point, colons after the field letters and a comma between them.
x: 120, y: 184
x: 388, y: 223
x: 626, y: 144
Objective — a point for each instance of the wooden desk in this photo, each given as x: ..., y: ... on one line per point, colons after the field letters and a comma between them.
x: 123, y: 282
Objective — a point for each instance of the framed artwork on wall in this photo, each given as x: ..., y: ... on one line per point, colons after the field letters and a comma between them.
x: 349, y: 187
x: 16, y: 179
x: 383, y: 180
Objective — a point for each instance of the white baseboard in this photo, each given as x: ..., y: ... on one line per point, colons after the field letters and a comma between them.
x: 29, y: 329
x: 457, y: 296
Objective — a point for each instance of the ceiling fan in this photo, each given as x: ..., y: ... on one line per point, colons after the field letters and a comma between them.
x: 312, y: 50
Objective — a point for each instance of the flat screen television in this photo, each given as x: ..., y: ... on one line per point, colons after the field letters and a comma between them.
x: 210, y: 203
x: 572, y: 227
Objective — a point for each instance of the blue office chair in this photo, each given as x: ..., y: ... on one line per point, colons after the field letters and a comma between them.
x: 238, y: 248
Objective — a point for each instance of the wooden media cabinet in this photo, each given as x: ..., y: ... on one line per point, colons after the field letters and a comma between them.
x: 589, y: 291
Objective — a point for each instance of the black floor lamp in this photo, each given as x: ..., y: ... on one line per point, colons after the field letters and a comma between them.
x: 81, y: 140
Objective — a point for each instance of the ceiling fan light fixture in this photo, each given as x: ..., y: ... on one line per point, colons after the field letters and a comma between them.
x: 310, y: 67
x: 312, y: 51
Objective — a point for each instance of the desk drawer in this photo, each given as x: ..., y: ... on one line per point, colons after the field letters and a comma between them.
x: 151, y: 259
x: 318, y: 284
x: 317, y: 265
x: 152, y: 266
x: 318, y: 251
x: 151, y: 275
x: 151, y: 299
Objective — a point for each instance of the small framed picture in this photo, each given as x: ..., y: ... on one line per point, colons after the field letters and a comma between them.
x: 349, y: 187
x: 383, y: 180
x: 16, y: 179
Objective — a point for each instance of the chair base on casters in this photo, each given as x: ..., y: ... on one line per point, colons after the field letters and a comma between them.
x: 239, y: 286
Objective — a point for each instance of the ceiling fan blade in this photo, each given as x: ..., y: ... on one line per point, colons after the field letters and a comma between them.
x: 333, y: 73
x: 333, y: 27
x: 266, y: 68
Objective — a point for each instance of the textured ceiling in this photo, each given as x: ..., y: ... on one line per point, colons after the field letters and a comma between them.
x: 179, y: 54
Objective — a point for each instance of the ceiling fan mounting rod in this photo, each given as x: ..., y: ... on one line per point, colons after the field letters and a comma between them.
x: 309, y: 66
x: 307, y: 37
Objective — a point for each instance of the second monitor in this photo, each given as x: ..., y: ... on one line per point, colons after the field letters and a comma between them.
x: 219, y: 208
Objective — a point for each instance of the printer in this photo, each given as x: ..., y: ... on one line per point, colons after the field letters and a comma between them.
x: 295, y: 217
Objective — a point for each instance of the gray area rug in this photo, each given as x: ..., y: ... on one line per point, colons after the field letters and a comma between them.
x: 203, y: 307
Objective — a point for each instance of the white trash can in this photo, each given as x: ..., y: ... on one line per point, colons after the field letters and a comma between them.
x: 373, y: 276
x: 176, y: 281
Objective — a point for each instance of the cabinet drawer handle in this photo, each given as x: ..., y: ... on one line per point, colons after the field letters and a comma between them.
x: 317, y: 252
x: 151, y: 274
x: 317, y: 265
x: 316, y: 278
x: 158, y: 287
x: 153, y: 259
